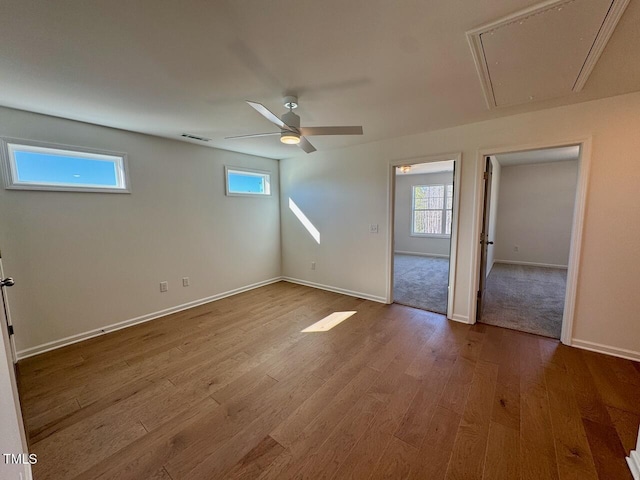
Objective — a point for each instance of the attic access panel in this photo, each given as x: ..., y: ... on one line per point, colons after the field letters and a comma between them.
x: 543, y: 52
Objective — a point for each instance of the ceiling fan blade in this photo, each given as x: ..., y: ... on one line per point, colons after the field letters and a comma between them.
x: 306, y: 146
x: 309, y: 131
x: 269, y: 115
x: 254, y: 135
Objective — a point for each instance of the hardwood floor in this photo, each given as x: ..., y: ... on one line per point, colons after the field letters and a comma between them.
x: 233, y: 389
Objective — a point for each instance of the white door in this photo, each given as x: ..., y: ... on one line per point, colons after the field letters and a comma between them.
x: 14, y: 459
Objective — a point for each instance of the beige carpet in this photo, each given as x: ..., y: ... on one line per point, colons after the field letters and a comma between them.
x: 525, y: 298
x: 421, y: 282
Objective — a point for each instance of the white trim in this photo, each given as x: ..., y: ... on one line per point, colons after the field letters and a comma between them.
x: 329, y: 288
x: 45, y: 347
x: 576, y: 230
x: 460, y: 318
x: 584, y: 168
x: 606, y: 349
x: 531, y: 264
x: 606, y: 30
x: 419, y: 254
x: 456, y: 157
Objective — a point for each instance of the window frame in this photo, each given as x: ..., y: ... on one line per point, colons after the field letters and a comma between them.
x: 11, y: 181
x: 443, y: 210
x: 250, y: 171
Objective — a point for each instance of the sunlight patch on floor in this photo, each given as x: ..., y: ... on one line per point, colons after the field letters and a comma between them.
x: 328, y: 322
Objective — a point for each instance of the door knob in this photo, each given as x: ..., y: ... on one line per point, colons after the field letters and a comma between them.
x: 7, y: 282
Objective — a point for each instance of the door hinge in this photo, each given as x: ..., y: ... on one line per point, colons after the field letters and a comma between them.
x: 486, y: 175
x: 479, y: 294
x: 10, y: 328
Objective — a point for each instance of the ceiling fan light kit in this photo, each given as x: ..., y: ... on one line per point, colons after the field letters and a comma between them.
x: 290, y: 138
x: 291, y: 133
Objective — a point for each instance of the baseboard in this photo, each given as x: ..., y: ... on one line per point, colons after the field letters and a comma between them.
x: 606, y: 349
x: 418, y: 254
x: 531, y: 264
x: 30, y: 352
x: 633, y: 460
x: 329, y: 288
x: 460, y: 318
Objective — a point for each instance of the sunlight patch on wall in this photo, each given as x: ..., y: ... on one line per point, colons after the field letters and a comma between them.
x: 304, y: 220
x: 328, y: 322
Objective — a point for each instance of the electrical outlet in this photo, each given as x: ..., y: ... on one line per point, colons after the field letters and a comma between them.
x: 516, y: 248
x: 164, y: 286
x: 313, y: 265
x: 185, y: 281
x: 373, y: 228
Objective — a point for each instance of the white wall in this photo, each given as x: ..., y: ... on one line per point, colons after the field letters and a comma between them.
x: 537, y: 213
x: 493, y: 212
x: 85, y: 260
x: 344, y: 190
x: 404, y: 242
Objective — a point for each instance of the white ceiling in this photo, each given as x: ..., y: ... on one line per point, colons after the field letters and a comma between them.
x: 539, y: 156
x: 167, y: 68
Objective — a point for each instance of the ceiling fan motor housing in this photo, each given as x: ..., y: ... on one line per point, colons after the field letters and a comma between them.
x: 291, y: 119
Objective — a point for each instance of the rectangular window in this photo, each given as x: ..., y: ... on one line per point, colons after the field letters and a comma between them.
x: 39, y: 166
x: 431, y: 210
x: 241, y: 181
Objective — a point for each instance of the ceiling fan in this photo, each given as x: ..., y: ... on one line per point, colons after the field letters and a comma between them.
x: 291, y: 132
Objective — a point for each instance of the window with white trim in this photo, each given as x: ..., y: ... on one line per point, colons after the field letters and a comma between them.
x: 32, y: 165
x: 431, y: 210
x: 242, y: 181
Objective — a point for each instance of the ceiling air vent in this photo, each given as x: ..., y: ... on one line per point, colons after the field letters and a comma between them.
x: 195, y: 137
x: 545, y: 51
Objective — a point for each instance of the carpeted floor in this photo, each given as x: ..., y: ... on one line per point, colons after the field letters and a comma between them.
x: 529, y: 299
x: 421, y: 282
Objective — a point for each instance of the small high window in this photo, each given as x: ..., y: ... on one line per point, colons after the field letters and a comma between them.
x: 39, y: 166
x: 242, y: 181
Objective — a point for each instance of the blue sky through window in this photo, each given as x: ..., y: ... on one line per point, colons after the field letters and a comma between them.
x: 34, y: 167
x: 245, y: 183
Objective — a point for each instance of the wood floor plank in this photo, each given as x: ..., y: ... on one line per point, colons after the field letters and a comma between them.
x: 501, y: 461
x: 614, y: 392
x: 325, y: 461
x: 455, y: 393
x: 254, y: 462
x: 316, y: 432
x: 435, y: 452
x: 220, y: 459
x: 626, y: 424
x: 468, y: 456
x: 396, y: 461
x: 608, y: 452
x: 414, y: 425
x: 572, y: 448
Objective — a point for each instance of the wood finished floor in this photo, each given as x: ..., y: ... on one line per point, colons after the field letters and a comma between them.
x: 233, y: 389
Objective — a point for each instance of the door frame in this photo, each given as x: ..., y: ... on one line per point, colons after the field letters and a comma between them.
x: 453, y: 250
x: 584, y: 167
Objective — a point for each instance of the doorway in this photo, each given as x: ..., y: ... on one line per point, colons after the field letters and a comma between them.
x: 527, y: 234
x: 423, y: 233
